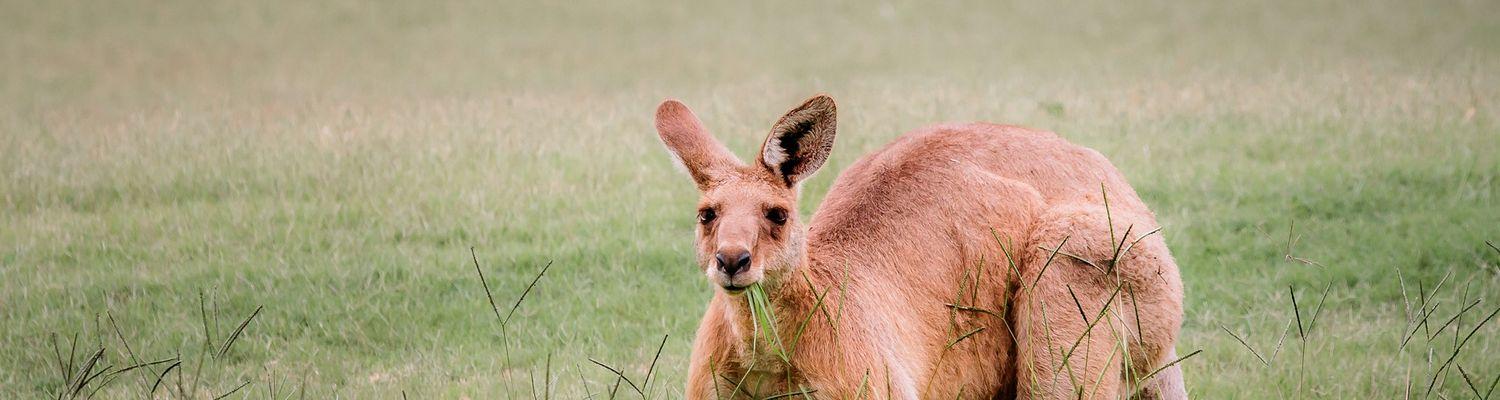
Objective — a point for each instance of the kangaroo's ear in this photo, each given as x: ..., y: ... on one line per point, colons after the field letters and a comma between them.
x: 799, y: 143
x: 691, y: 146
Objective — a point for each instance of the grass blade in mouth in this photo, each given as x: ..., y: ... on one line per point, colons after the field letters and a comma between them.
x: 765, y: 319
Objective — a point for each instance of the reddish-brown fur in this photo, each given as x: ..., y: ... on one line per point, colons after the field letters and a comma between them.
x: 913, y: 248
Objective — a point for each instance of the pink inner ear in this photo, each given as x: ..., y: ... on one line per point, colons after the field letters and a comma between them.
x: 799, y: 143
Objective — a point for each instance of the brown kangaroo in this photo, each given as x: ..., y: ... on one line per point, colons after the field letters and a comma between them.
x: 972, y: 261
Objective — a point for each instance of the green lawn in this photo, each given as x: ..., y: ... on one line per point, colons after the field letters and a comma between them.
x: 334, y: 162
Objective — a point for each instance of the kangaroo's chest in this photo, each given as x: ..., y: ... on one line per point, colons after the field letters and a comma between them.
x: 763, y: 374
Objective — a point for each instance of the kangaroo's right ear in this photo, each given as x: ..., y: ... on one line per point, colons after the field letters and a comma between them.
x: 691, y: 146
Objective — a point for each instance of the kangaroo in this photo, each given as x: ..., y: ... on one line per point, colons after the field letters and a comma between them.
x: 971, y: 260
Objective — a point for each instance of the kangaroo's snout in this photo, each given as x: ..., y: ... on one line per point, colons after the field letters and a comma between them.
x: 732, y: 260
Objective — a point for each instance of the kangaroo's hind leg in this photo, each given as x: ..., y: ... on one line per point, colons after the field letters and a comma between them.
x: 1097, y: 308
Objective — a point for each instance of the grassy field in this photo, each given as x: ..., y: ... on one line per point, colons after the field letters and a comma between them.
x: 166, y: 168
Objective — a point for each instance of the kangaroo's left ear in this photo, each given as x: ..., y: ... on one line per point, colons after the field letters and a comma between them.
x: 799, y: 143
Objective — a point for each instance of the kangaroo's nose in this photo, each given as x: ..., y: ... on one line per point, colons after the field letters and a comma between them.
x: 733, y: 261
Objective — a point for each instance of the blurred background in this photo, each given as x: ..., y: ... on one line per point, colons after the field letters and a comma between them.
x: 172, y: 169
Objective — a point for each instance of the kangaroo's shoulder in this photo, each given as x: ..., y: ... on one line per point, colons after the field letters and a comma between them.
x: 953, y: 165
x: 925, y: 171
x: 957, y: 149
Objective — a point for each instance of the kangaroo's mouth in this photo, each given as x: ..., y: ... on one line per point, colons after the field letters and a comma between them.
x: 736, y: 284
x: 734, y: 290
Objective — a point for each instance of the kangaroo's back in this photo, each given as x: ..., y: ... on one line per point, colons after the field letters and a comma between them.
x: 923, y: 174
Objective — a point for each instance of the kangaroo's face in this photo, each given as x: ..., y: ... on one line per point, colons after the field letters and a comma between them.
x: 747, y: 220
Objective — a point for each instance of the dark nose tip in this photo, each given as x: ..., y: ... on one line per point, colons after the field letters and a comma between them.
x: 732, y: 262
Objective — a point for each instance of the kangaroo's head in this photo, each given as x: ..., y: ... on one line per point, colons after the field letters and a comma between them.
x: 747, y: 214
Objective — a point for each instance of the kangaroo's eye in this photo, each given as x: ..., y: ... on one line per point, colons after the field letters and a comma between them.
x: 776, y: 215
x: 706, y: 216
